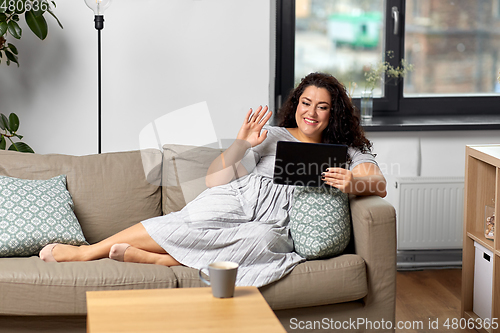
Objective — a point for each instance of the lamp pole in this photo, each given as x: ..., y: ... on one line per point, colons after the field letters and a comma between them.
x: 99, y: 25
x: 98, y: 6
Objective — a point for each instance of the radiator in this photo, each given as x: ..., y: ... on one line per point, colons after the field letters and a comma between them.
x: 430, y: 213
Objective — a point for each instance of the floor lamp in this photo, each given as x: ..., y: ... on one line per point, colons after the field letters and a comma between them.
x: 98, y: 6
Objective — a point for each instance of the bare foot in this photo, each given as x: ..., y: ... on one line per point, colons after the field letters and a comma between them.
x: 62, y: 253
x: 46, y: 253
x: 117, y: 251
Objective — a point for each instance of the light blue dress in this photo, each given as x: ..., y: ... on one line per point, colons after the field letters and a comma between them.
x: 244, y: 221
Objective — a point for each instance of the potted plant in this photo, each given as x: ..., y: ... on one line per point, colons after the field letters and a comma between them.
x: 379, y: 73
x: 8, y: 131
x: 10, y: 13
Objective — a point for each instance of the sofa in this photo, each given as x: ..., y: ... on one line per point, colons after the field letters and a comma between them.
x: 353, y: 292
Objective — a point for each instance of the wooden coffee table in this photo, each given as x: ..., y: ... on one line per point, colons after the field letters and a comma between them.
x: 179, y: 310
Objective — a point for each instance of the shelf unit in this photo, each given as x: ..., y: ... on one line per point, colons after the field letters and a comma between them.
x: 482, y: 188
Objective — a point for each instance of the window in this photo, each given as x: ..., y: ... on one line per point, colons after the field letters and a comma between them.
x: 453, y: 45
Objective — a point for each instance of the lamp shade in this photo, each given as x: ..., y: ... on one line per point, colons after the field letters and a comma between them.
x: 98, y: 6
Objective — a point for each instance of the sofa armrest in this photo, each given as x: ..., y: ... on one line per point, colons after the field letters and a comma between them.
x: 374, y: 229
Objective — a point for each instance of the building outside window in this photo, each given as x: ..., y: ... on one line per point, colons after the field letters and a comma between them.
x: 453, y: 45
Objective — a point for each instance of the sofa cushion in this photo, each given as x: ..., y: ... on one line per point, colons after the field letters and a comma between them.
x: 29, y: 286
x: 187, y: 277
x: 34, y: 213
x: 110, y: 190
x: 184, y: 171
x: 319, y: 282
x: 312, y: 283
x: 320, y: 222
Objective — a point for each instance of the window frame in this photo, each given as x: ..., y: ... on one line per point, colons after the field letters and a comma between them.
x: 393, y: 104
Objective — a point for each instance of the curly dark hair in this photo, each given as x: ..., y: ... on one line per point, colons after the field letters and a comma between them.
x: 343, y: 125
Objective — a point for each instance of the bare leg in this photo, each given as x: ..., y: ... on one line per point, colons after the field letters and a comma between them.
x: 127, y: 253
x: 136, y: 236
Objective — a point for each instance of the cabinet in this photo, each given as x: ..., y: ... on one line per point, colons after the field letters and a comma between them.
x: 482, y: 188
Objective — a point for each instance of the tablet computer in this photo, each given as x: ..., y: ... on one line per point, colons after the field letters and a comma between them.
x: 301, y: 164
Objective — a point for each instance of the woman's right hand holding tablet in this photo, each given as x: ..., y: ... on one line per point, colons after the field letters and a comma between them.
x: 253, y: 124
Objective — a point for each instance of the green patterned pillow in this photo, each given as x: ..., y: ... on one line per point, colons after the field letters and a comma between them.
x: 320, y: 222
x: 34, y: 213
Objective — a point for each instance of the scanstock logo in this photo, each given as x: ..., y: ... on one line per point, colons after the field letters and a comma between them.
x: 182, y: 129
x: 178, y: 148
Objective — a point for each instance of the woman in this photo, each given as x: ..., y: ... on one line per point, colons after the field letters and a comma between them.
x: 243, y: 216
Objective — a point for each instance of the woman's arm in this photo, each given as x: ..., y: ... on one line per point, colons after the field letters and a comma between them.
x: 227, y: 166
x: 364, y: 179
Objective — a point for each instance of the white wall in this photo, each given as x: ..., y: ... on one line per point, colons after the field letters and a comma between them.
x: 425, y: 153
x: 158, y: 56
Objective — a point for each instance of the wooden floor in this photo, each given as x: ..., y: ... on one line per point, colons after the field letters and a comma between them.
x: 428, y: 298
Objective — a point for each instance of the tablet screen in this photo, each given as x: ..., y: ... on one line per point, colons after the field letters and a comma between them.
x: 301, y: 164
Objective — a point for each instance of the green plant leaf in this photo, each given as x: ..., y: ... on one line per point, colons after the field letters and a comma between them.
x: 3, y: 143
x: 14, y: 29
x: 20, y: 6
x: 13, y: 49
x: 37, y: 24
x: 13, y: 122
x: 20, y: 137
x: 21, y: 147
x: 58, y: 22
x: 4, y: 122
x: 3, y: 28
x: 39, y: 11
x: 3, y: 17
x: 11, y: 57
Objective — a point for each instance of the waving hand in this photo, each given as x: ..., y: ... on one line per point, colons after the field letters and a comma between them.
x: 253, y: 124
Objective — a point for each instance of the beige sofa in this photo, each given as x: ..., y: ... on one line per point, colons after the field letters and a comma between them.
x: 112, y: 191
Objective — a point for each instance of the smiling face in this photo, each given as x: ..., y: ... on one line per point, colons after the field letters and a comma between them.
x: 313, y: 113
